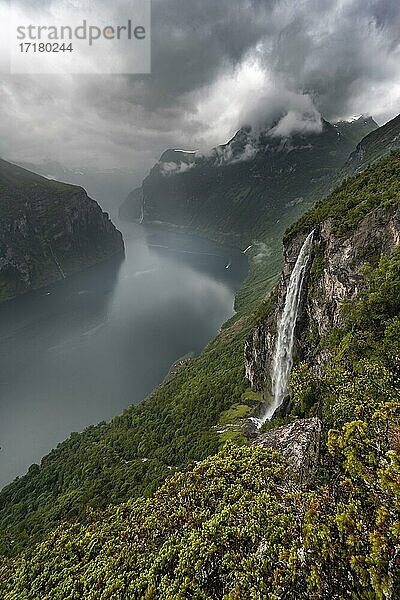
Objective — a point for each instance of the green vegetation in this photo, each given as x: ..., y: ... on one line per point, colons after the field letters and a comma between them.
x: 377, y: 186
x: 236, y: 527
x: 375, y: 146
x: 48, y: 230
x: 178, y: 423
x: 237, y: 411
x: 254, y: 199
x: 19, y: 186
x: 131, y: 455
x: 364, y: 351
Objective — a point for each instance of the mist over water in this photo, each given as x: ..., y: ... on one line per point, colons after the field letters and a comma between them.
x: 83, y: 350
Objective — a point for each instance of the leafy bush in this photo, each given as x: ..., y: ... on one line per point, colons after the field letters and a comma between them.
x: 235, y: 527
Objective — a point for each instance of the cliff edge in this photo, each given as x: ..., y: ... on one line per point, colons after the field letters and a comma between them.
x: 48, y: 230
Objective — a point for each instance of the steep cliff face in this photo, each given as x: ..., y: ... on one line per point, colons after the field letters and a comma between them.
x: 259, y: 347
x: 48, y: 230
x: 335, y: 271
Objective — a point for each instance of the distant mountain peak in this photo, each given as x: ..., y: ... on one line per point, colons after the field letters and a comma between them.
x: 364, y: 118
x: 253, y: 177
x: 356, y: 128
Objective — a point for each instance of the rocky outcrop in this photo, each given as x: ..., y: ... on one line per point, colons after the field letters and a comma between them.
x: 335, y: 274
x: 48, y: 230
x: 338, y: 274
x: 298, y: 443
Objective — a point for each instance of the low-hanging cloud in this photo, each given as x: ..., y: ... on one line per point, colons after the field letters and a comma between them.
x: 282, y: 113
x: 175, y: 168
x: 217, y: 66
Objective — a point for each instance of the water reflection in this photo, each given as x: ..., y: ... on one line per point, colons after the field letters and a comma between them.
x: 84, y: 349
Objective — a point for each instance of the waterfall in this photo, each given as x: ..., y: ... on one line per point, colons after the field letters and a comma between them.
x: 57, y: 262
x: 142, y: 210
x: 283, y: 355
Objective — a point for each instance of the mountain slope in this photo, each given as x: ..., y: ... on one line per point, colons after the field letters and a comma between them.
x: 108, y: 186
x: 354, y: 227
x: 374, y: 146
x: 253, y: 186
x: 247, y: 192
x: 235, y: 526
x: 357, y: 128
x: 48, y: 230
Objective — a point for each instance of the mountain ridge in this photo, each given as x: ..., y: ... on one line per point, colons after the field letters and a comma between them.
x: 374, y: 146
x: 252, y: 184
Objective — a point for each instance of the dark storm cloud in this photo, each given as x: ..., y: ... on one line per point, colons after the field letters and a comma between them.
x: 195, y: 40
x: 216, y: 66
x: 341, y: 52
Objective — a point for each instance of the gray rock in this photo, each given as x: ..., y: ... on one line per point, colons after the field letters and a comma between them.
x: 343, y: 259
x: 298, y: 443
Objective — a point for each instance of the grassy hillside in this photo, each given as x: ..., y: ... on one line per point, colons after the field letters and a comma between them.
x: 235, y: 526
x: 132, y: 455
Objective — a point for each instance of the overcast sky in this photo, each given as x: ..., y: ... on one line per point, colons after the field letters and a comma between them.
x: 216, y: 65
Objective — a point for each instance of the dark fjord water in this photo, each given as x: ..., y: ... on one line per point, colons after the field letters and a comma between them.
x: 84, y: 349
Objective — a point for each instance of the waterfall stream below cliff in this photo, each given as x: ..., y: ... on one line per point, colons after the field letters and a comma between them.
x: 283, y: 355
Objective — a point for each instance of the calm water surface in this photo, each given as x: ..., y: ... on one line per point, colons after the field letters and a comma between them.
x: 81, y: 351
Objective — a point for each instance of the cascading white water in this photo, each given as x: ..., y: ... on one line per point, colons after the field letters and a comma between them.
x: 142, y: 211
x: 283, y: 356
